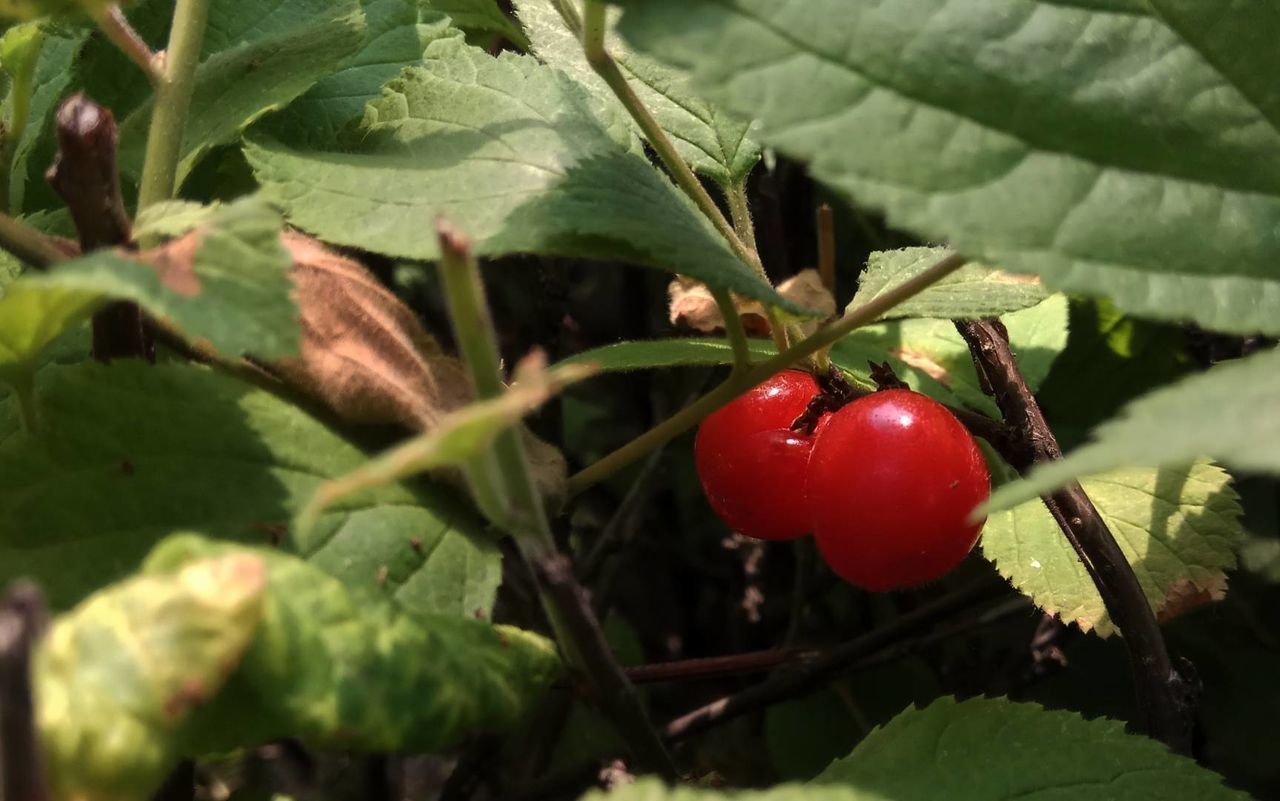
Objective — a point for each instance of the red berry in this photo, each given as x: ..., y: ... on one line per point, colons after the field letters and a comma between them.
x: 892, y: 480
x: 752, y: 466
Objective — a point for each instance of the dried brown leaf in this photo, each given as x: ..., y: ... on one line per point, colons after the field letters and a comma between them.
x: 363, y: 352
x: 1186, y: 596
x: 692, y: 305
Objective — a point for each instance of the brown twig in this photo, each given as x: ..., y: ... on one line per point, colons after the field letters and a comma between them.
x: 827, y: 247
x: 1162, y: 697
x: 22, y: 620
x: 84, y: 174
x: 819, y: 670
x: 718, y: 667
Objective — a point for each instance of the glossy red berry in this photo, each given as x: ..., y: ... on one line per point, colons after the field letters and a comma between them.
x: 752, y: 466
x: 892, y: 480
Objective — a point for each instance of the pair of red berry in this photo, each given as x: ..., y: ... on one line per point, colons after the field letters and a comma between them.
x: 886, y: 483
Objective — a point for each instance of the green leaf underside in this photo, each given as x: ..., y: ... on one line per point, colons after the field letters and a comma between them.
x: 1128, y: 150
x: 236, y: 294
x: 713, y: 143
x: 481, y: 15
x: 983, y: 750
x: 932, y: 357
x: 514, y: 153
x: 675, y: 352
x: 238, y: 85
x: 1178, y: 527
x: 126, y: 454
x: 1222, y: 414
x: 973, y: 291
x: 149, y: 658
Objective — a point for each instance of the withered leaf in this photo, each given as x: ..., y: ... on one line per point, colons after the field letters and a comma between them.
x: 692, y: 305
x: 363, y: 352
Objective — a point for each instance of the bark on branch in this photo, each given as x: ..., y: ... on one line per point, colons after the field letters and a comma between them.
x: 1163, y: 698
x: 84, y: 174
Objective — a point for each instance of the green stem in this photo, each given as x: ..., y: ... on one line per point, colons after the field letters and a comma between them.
x: 740, y: 211
x: 28, y: 244
x: 593, y: 27
x: 738, y: 383
x: 733, y: 328
x: 172, y: 103
x: 576, y: 628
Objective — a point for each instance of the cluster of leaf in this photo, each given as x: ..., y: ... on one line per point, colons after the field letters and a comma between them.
x: 359, y: 121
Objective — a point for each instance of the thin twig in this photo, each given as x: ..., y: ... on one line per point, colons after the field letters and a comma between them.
x: 22, y: 621
x: 575, y: 625
x: 735, y: 385
x: 717, y: 667
x: 29, y: 245
x: 817, y: 671
x: 113, y: 23
x: 827, y: 247
x: 84, y: 174
x: 1162, y: 697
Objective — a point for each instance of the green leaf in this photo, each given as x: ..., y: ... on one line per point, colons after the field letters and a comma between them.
x: 116, y: 676
x: 1072, y: 140
x: 126, y: 454
x: 1178, y: 527
x: 1219, y: 414
x: 657, y: 353
x: 235, y: 293
x: 973, y: 291
x: 480, y: 15
x: 32, y: 316
x: 994, y: 749
x: 238, y: 85
x: 312, y: 660
x: 983, y: 749
x: 395, y: 38
x: 53, y: 74
x: 1110, y: 359
x: 714, y: 143
x: 517, y: 155
x: 931, y: 357
x: 32, y: 9
x: 172, y: 218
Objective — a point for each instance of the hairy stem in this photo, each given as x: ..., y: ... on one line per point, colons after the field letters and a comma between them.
x: 739, y: 383
x: 1161, y: 694
x: 113, y: 23
x: 572, y: 619
x: 172, y: 103
x: 592, y: 26
x: 740, y: 212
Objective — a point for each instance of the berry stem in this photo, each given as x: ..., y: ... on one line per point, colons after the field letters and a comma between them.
x: 739, y: 383
x: 733, y: 329
x: 1159, y: 688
